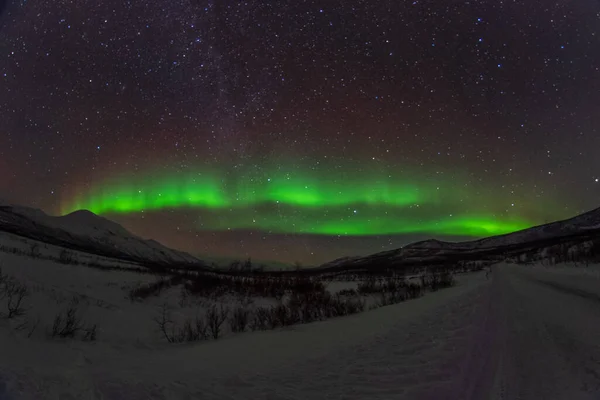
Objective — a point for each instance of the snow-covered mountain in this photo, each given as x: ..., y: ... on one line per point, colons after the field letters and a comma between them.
x: 88, y: 232
x: 577, y: 229
x: 580, y: 224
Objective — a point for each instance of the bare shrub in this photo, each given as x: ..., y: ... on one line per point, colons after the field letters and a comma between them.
x: 413, y: 291
x: 2, y: 280
x: 344, y: 306
x: 215, y: 285
x: 260, y: 319
x: 189, y: 331
x: 383, y: 300
x: 368, y: 286
x: 29, y: 326
x: 90, y: 333
x: 447, y: 279
x: 165, y: 323
x: 238, y: 321
x: 183, y: 297
x: 348, y: 292
x: 193, y: 331
x: 436, y: 280
x: 294, y: 312
x: 215, y: 317
x: 206, y: 285
x: 68, y: 324
x: 34, y: 250
x: 65, y: 257
x: 33, y: 326
x: 201, y: 328
x: 307, y: 308
x: 14, y: 292
x: 280, y: 316
x: 154, y: 288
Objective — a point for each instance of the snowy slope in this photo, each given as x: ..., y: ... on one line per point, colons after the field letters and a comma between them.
x: 578, y: 229
x: 357, y: 357
x: 85, y: 231
x: 523, y: 334
x: 583, y: 223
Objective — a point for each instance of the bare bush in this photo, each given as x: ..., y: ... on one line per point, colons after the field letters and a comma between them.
x: 413, y: 291
x: 190, y: 331
x: 183, y: 297
x: 34, y: 250
x: 90, y: 333
x: 215, y: 285
x: 386, y: 299
x: 165, y: 323
x: 260, y: 319
x: 154, y: 288
x: 239, y: 319
x: 305, y: 308
x: 33, y: 326
x: 68, y: 324
x: 280, y: 316
x: 215, y: 317
x: 302, y: 299
x: 2, y: 280
x: 436, y: 280
x: 368, y: 286
x: 446, y: 279
x: 14, y: 292
x: 348, y: 292
x: 29, y: 326
x: 65, y: 257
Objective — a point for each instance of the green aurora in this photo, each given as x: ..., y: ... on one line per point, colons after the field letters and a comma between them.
x: 328, y: 203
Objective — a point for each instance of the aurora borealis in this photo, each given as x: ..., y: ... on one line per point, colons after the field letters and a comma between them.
x: 324, y: 204
x: 301, y: 130
x: 210, y: 192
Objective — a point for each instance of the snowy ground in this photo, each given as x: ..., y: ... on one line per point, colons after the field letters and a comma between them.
x: 102, y: 297
x: 526, y: 333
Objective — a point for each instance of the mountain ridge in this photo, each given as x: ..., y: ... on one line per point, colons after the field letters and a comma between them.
x: 85, y: 231
x: 581, y: 227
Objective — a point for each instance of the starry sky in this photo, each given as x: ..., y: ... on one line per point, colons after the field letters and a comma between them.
x: 302, y: 130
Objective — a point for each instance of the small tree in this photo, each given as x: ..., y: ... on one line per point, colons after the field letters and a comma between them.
x: 164, y: 321
x: 215, y: 319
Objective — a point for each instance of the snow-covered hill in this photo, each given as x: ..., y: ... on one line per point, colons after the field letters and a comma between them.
x: 583, y: 223
x: 85, y: 231
x: 579, y: 229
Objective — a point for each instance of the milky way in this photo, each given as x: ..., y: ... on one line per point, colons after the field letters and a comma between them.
x: 302, y: 130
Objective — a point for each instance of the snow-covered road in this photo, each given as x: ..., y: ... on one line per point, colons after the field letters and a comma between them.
x: 526, y: 333
x: 549, y: 337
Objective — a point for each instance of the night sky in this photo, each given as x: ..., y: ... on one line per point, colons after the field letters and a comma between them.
x: 302, y: 130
